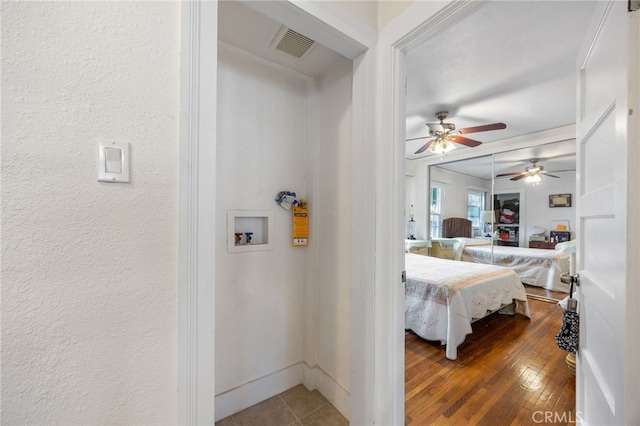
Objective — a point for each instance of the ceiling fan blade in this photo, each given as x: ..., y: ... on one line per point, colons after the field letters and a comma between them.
x: 558, y: 171
x: 522, y: 176
x: 484, y: 128
x: 424, y: 147
x: 547, y: 174
x: 465, y: 141
x: 415, y: 139
x: 510, y: 174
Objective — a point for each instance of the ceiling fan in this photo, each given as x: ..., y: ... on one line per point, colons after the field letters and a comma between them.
x: 532, y: 173
x: 444, y: 134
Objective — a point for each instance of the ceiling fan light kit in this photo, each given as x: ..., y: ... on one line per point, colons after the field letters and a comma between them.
x: 532, y: 174
x: 445, y: 135
x: 441, y: 146
x: 534, y: 179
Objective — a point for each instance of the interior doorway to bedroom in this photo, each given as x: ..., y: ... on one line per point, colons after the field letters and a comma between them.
x: 433, y: 386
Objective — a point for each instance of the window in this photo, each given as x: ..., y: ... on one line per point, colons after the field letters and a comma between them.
x: 475, y: 205
x: 436, y: 211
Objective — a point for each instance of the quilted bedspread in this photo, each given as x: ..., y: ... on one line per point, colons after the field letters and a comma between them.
x: 443, y: 297
x: 537, y: 267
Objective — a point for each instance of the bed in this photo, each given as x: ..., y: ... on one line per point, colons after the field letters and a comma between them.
x: 443, y: 297
x: 536, y: 267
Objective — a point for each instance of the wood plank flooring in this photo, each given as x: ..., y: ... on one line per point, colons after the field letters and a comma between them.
x: 508, y: 372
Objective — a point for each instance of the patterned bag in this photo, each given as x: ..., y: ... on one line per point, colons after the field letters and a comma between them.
x: 567, y: 338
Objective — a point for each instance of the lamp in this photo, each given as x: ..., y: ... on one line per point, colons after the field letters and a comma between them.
x: 488, y: 216
x: 412, y: 226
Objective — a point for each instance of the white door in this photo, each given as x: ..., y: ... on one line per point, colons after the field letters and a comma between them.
x: 602, y: 386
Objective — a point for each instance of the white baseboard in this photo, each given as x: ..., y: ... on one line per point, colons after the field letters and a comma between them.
x: 316, y: 378
x: 244, y: 396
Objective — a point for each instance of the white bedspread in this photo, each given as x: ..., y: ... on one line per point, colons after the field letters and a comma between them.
x: 536, y: 267
x: 443, y: 297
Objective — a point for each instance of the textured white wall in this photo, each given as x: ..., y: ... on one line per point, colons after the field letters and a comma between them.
x: 89, y: 268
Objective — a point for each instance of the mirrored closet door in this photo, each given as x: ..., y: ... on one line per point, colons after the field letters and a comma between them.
x: 506, y: 196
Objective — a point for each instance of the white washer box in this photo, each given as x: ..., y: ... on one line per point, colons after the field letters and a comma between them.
x: 257, y: 222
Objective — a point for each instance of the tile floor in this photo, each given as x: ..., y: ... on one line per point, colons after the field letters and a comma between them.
x: 296, y: 406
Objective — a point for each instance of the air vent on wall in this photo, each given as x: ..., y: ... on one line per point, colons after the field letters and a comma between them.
x: 292, y: 43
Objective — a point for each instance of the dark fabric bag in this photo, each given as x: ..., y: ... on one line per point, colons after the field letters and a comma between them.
x: 567, y: 338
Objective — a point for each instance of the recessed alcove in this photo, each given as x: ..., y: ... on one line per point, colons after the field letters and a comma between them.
x: 254, y: 229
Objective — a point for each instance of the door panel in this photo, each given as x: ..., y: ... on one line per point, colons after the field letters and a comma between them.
x: 597, y: 262
x: 601, y: 150
x: 598, y: 157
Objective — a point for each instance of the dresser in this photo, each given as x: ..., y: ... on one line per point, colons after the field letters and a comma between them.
x: 542, y: 245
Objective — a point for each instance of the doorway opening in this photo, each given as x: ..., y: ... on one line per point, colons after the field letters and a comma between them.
x: 477, y: 101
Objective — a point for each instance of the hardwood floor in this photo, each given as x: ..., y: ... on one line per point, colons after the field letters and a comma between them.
x: 509, y: 371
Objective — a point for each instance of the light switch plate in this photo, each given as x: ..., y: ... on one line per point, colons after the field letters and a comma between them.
x: 113, y: 161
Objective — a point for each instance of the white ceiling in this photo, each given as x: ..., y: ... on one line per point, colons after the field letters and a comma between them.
x: 510, y: 62
x: 243, y: 27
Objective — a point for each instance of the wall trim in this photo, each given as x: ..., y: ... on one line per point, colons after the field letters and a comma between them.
x: 325, y: 23
x: 316, y: 378
x: 248, y: 394
x: 243, y: 54
x: 244, y: 396
x: 196, y: 222
x: 362, y: 345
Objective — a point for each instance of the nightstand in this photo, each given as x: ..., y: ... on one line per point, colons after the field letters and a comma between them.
x: 542, y: 245
x: 417, y: 246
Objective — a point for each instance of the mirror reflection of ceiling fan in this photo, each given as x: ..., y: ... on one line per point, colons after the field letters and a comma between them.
x: 532, y: 174
x: 445, y: 135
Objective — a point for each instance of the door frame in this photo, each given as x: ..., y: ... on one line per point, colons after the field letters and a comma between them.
x: 633, y: 222
x: 397, y: 41
x: 196, y: 216
x: 333, y: 27
x: 414, y: 26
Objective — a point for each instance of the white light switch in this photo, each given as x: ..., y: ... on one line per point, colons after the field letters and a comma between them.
x: 113, y: 161
x: 113, y: 158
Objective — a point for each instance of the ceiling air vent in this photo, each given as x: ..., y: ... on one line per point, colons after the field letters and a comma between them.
x: 292, y: 43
